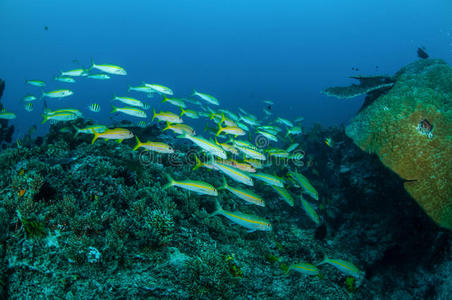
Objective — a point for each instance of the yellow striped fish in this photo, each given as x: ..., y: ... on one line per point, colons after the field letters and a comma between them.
x: 344, y: 266
x: 251, y: 222
x: 305, y: 184
x: 304, y: 268
x: 206, y: 145
x: 246, y: 195
x: 166, y: 116
x: 131, y: 111
x: 153, y: 146
x: 234, y: 173
x: 194, y: 186
x: 310, y: 211
x: 269, y: 179
x: 113, y: 134
x: 284, y: 194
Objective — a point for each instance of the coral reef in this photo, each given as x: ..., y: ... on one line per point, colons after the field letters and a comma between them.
x: 6, y: 131
x: 366, y: 85
x: 409, y: 128
x: 91, y: 221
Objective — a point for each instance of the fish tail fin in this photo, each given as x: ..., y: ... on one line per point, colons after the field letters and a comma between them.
x: 220, y: 129
x: 114, y: 109
x: 77, y: 131
x: 218, y: 209
x: 153, y: 114
x: 164, y: 99
x: 167, y: 126
x: 222, y: 118
x: 182, y: 111
x: 45, y: 117
x: 198, y: 164
x: 138, y: 145
x: 128, y: 88
x: 324, y: 261
x: 170, y: 183
x: 194, y: 92
x: 96, y: 136
x: 91, y: 66
x: 216, y: 141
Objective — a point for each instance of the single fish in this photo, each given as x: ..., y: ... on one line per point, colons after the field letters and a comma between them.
x: 131, y: 111
x: 161, y: 89
x: 249, y: 152
x: 267, y: 135
x: 189, y: 113
x: 284, y: 194
x: 141, y: 88
x: 119, y: 134
x: 281, y: 153
x: 29, y: 107
x: 199, y: 187
x: 234, y: 173
x: 174, y: 101
x: 246, y: 195
x: 129, y: 101
x: 61, y: 116
x: 295, y: 130
x: 269, y: 102
x: 298, y: 120
x: 304, y: 268
x: 292, y: 147
x: 99, y: 76
x: 179, y: 128
x: 58, y: 94
x: 89, y: 129
x: 284, y: 121
x: 6, y: 115
x: 310, y: 211
x: 252, y: 223
x: 153, y: 146
x: 29, y: 98
x: 75, y: 73
x: 269, y: 179
x: 66, y: 79
x: 94, y: 107
x: 302, y: 181
x: 206, y: 145
x: 236, y: 131
x: 166, y: 116
x: 227, y: 147
x: 110, y: 69
x: 344, y: 266
x: 206, y: 97
x: 329, y: 142
x: 35, y: 83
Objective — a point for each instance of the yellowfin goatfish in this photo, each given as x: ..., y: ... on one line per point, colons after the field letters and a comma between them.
x: 166, y: 116
x: 66, y: 79
x: 234, y: 173
x: 292, y: 147
x: 227, y: 147
x: 206, y: 97
x: 345, y: 267
x: 153, y: 146
x: 89, y: 129
x: 246, y: 195
x: 251, y: 222
x: 131, y: 111
x: 61, y: 116
x: 179, y: 128
x: 160, y: 89
x: 119, y: 134
x: 57, y: 94
x: 295, y: 130
x: 281, y: 153
x: 6, y: 115
x: 36, y: 83
x: 249, y: 152
x: 238, y: 165
x: 310, y: 211
x: 129, y: 101
x: 267, y: 135
x: 94, y: 107
x: 305, y: 184
x: 99, y: 76
x: 189, y: 113
x: 230, y: 130
x: 64, y: 110
x: 206, y: 145
x: 269, y: 179
x: 194, y: 186
x: 110, y: 69
x: 284, y: 194
x: 284, y: 121
x: 304, y: 268
x: 29, y: 98
x: 29, y: 107
x: 249, y: 120
x: 268, y: 102
x: 140, y: 88
x: 207, y: 165
x: 174, y: 101
x: 75, y: 73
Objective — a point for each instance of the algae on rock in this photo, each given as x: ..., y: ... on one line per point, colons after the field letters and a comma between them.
x: 410, y: 129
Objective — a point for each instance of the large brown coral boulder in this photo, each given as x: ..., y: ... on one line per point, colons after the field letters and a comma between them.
x: 410, y: 129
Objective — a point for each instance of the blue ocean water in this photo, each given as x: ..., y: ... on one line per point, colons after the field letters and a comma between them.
x: 242, y: 52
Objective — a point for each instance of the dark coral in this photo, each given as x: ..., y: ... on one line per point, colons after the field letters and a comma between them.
x: 366, y: 85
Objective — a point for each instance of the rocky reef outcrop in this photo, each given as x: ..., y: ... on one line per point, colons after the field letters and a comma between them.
x: 6, y: 131
x: 410, y: 130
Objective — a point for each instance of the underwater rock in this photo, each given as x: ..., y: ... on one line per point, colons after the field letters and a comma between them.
x: 409, y: 128
x: 366, y: 85
x: 6, y: 132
